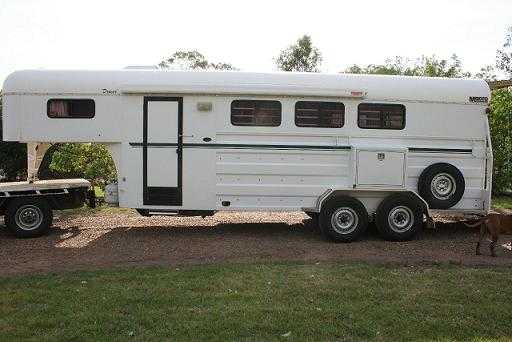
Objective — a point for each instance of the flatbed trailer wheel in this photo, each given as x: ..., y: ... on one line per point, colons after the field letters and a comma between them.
x: 28, y: 217
x: 343, y: 219
x: 399, y: 217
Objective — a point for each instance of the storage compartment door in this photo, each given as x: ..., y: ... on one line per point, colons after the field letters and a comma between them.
x: 380, y: 168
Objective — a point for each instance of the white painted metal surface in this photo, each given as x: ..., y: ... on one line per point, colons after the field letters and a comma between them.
x: 260, y: 168
x: 162, y: 129
x: 112, y: 194
x: 380, y: 168
x: 45, y: 184
x: 233, y: 82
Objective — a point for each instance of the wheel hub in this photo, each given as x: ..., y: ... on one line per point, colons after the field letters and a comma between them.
x: 344, y: 220
x: 400, y: 219
x: 443, y: 186
x: 28, y: 217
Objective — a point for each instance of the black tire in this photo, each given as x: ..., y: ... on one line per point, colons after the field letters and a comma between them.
x: 312, y: 222
x: 28, y: 217
x: 340, y: 211
x: 399, y: 217
x: 447, y: 176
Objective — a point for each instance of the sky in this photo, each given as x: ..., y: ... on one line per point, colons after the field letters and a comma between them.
x: 111, y: 34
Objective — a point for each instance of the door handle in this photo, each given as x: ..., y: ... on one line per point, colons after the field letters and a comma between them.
x: 185, y: 136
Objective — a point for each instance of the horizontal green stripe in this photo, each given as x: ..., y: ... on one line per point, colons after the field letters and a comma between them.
x: 440, y: 150
x: 294, y: 147
x: 245, y: 146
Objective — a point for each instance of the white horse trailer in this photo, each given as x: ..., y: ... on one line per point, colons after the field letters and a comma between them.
x: 345, y: 149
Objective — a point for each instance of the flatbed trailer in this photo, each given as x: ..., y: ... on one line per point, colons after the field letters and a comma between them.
x: 28, y: 206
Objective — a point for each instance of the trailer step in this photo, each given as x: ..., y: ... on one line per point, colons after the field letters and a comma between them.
x: 177, y: 213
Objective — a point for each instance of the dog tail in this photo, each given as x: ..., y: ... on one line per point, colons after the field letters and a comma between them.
x: 476, y: 224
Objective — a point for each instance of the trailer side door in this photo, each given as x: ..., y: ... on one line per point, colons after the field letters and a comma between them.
x: 162, y: 150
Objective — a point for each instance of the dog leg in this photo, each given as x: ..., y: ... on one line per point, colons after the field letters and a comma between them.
x: 482, y: 234
x: 492, y: 246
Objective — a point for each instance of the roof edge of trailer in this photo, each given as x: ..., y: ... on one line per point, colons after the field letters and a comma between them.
x: 260, y: 89
x: 374, y: 87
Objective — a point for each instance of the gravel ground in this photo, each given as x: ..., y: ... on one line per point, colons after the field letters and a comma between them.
x: 92, y: 241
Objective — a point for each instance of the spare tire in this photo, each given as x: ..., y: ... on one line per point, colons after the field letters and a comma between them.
x: 441, y: 185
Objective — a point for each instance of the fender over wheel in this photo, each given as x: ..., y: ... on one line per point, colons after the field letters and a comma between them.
x: 343, y: 219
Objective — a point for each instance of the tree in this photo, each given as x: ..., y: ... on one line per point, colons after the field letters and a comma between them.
x: 500, y: 122
x: 398, y: 66
x: 424, y: 66
x: 192, y: 60
x: 504, y: 55
x: 13, y: 160
x: 433, y: 67
x: 301, y: 56
x: 89, y: 161
x: 486, y: 73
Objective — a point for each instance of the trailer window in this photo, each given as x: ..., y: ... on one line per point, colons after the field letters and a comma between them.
x: 319, y: 114
x: 70, y: 108
x: 381, y: 116
x: 256, y: 113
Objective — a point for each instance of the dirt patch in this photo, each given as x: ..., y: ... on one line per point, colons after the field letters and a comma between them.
x: 124, y: 239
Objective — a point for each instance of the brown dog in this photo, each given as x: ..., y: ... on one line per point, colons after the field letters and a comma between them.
x: 493, y: 224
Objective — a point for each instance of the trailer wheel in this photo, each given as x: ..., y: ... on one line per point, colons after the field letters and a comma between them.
x: 441, y: 185
x: 28, y: 217
x: 399, y: 217
x: 343, y: 219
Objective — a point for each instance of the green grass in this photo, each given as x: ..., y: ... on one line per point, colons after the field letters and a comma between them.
x: 285, y: 301
x: 502, y: 202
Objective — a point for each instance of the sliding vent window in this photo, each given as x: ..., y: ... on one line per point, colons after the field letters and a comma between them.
x: 381, y: 116
x: 319, y: 114
x: 256, y: 113
x: 70, y: 109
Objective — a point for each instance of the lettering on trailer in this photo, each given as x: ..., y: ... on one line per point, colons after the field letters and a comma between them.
x: 106, y: 91
x: 478, y: 99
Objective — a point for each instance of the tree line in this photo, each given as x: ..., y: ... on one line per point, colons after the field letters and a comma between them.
x: 93, y: 161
